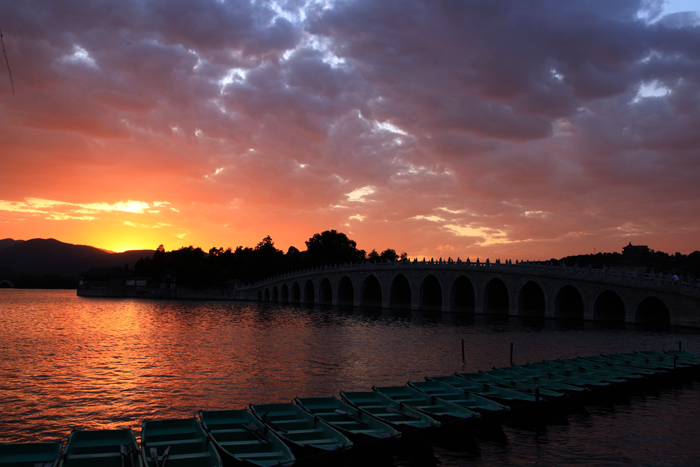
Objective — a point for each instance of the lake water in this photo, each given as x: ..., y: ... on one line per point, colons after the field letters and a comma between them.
x: 67, y: 361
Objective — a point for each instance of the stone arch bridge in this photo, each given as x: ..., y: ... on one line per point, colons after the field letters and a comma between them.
x: 520, y: 289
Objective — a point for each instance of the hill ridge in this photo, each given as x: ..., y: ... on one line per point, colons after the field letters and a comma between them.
x: 40, y: 256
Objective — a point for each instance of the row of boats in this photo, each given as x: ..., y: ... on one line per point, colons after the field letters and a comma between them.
x: 312, y: 428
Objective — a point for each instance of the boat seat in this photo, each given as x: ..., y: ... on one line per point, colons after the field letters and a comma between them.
x: 320, y: 441
x: 89, y: 460
x: 96, y: 448
x: 242, y: 442
x: 186, y: 460
x: 168, y: 435
x: 154, y: 444
x: 301, y: 432
x: 290, y: 425
x: 347, y: 422
x: 228, y: 430
x: 188, y: 456
x: 97, y: 455
x: 262, y: 455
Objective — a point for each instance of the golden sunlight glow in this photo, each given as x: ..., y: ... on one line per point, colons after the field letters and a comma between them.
x: 490, y: 236
x: 62, y: 210
x: 124, y: 240
x: 124, y: 206
x: 359, y: 194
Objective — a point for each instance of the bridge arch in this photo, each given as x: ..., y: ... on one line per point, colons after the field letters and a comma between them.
x: 266, y: 296
x: 275, y: 294
x: 496, y: 297
x: 400, y: 292
x: 531, y: 299
x: 309, y: 292
x: 260, y: 295
x: 430, y: 295
x: 462, y: 295
x: 325, y: 292
x: 371, y: 292
x: 6, y: 283
x: 609, y: 306
x: 652, y: 310
x: 346, y: 291
x: 568, y: 303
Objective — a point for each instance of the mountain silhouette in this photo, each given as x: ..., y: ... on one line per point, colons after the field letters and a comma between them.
x: 41, y: 256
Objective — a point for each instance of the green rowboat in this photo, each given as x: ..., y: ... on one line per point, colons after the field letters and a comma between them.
x: 685, y: 357
x: 306, y: 434
x: 241, y: 438
x: 177, y: 443
x: 30, y: 454
x: 439, y: 409
x: 538, y: 391
x: 482, y: 405
x: 402, y: 417
x: 534, y: 370
x: 506, y: 396
x: 625, y: 367
x: 103, y: 448
x: 579, y: 367
x: 352, y: 422
x: 535, y: 381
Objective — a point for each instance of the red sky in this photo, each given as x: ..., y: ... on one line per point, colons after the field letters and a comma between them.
x: 511, y: 130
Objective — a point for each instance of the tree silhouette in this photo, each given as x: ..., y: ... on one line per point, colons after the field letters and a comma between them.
x: 332, y: 247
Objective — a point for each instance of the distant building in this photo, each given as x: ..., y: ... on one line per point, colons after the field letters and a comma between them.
x: 634, y: 252
x: 103, y: 277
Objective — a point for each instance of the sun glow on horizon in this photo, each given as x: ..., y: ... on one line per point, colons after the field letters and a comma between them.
x: 121, y: 241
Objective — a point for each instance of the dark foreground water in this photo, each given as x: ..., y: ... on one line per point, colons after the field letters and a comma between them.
x: 68, y: 362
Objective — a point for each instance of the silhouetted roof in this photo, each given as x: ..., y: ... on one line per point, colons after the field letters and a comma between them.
x: 105, y: 272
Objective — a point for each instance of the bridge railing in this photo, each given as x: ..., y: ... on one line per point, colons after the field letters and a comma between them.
x: 620, y: 277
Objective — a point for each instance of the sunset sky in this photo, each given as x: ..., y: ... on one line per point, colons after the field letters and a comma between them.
x: 510, y: 129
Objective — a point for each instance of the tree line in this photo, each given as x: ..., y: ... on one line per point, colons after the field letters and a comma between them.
x: 194, y: 267
x: 656, y: 262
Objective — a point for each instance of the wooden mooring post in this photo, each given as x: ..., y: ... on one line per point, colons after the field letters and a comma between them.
x: 511, y: 354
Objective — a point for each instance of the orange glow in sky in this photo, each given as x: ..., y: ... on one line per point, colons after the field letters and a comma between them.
x: 444, y: 130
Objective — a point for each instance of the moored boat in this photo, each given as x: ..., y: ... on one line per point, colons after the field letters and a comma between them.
x: 510, y: 397
x: 584, y: 368
x: 359, y: 426
x: 685, y: 357
x: 30, y: 454
x: 682, y: 360
x: 396, y: 414
x: 179, y: 442
x: 513, y: 375
x: 535, y: 370
x: 305, y: 434
x: 538, y: 391
x: 626, y: 367
x: 602, y: 366
x: 662, y: 362
x: 488, y: 408
x: 105, y: 448
x: 657, y: 362
x: 439, y: 409
x: 241, y: 438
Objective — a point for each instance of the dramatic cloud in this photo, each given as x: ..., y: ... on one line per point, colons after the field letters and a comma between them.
x: 521, y: 130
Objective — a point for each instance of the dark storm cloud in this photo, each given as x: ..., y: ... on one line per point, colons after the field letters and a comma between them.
x: 502, y: 125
